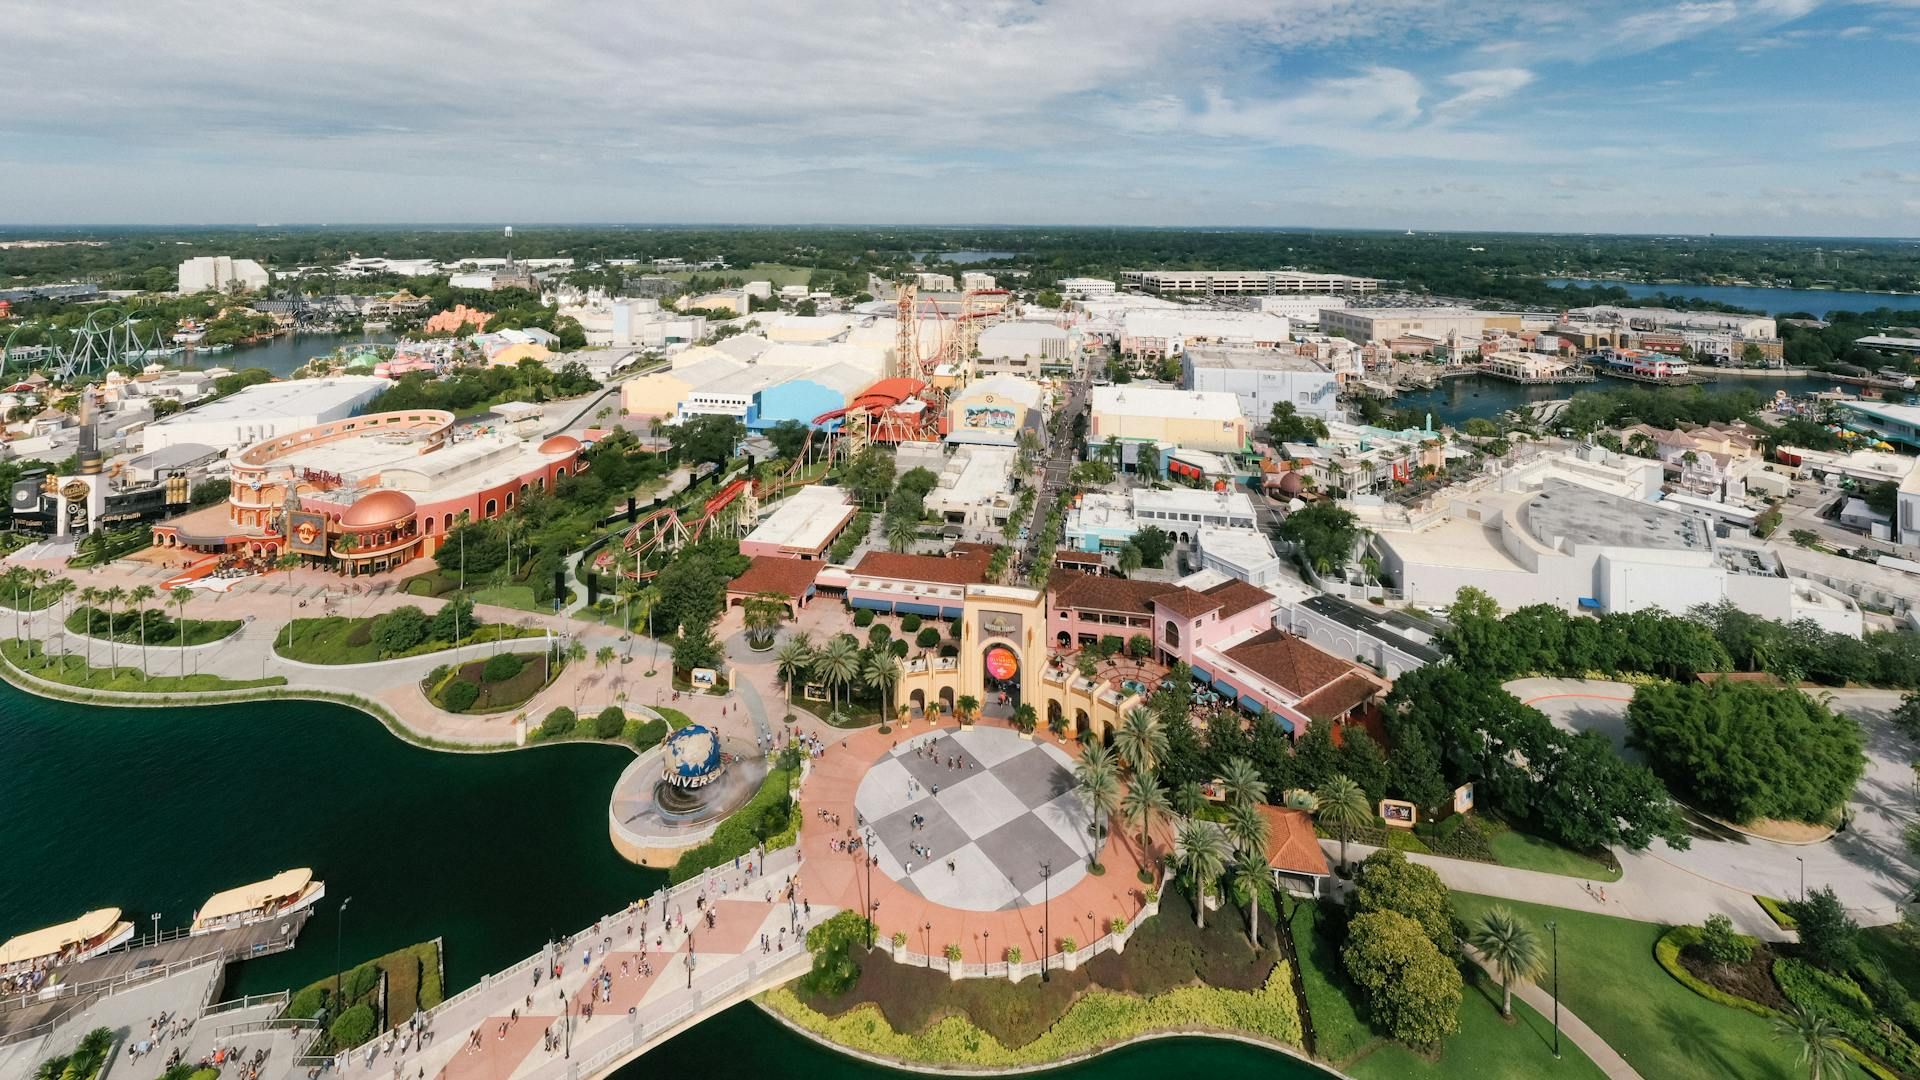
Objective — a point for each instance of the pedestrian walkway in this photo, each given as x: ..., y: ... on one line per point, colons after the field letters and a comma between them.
x: 1574, y: 1029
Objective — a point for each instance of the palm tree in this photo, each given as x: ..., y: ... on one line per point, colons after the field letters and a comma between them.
x: 1111, y: 448
x: 89, y: 602
x: 576, y: 652
x: 10, y: 582
x: 1242, y: 782
x: 763, y: 613
x: 1250, y: 876
x: 968, y: 707
x: 1343, y: 806
x: 882, y: 672
x: 1204, y: 854
x: 139, y: 596
x: 112, y: 597
x: 1188, y: 799
x: 838, y: 664
x: 1511, y: 946
x: 1821, y: 1050
x: 1248, y: 829
x: 1130, y: 560
x: 1141, y: 741
x: 1099, y: 786
x: 791, y: 660
x: 1145, y: 805
x: 1147, y: 459
x: 902, y: 531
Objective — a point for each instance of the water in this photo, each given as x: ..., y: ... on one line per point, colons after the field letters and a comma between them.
x: 1454, y: 401
x: 282, y: 355
x: 1770, y: 301
x: 966, y: 257
x: 154, y: 810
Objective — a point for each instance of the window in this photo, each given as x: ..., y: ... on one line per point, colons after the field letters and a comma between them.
x: 1171, y: 634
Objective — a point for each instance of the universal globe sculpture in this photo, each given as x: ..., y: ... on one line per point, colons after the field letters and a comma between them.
x: 692, y: 761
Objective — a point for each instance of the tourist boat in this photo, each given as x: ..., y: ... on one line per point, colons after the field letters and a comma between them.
x: 189, y: 333
x: 68, y: 943
x: 282, y: 894
x: 1645, y: 366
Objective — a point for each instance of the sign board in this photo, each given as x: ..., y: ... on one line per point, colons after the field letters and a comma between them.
x: 703, y: 678
x: 307, y: 533
x: 1214, y: 791
x: 813, y: 691
x: 1002, y: 664
x: 1398, y: 813
x: 1463, y: 798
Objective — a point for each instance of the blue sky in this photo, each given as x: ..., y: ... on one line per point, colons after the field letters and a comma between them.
x: 1731, y: 116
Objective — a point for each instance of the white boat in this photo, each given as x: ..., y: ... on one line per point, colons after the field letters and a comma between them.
x: 282, y: 894
x: 68, y: 943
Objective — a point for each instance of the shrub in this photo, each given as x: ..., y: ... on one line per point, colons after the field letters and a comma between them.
x: 1777, y: 911
x: 646, y: 734
x: 766, y: 818
x: 1013, y: 954
x: 307, y: 1003
x: 927, y: 638
x: 1116, y: 925
x: 832, y: 944
x: 953, y: 629
x: 1067, y: 944
x: 610, y: 723
x: 1721, y: 944
x: 502, y: 666
x: 952, y: 953
x: 899, y: 938
x: 1666, y: 951
x: 1842, y: 1002
x: 353, y: 1027
x: 459, y: 695
x: 1412, y: 990
x: 1110, y: 645
x: 360, y: 982
x: 878, y: 633
x: 863, y: 617
x: 909, y: 623
x: 900, y: 648
x: 949, y: 650
x: 399, y: 630
x: 558, y: 722
x: 1828, y: 934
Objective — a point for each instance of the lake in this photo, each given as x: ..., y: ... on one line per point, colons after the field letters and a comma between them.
x: 1770, y: 301
x: 153, y: 810
x: 964, y: 258
x: 1454, y: 401
x: 282, y: 355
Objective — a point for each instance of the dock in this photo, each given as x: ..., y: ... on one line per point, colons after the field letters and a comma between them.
x: 1658, y: 380
x: 1576, y: 375
x: 81, y: 984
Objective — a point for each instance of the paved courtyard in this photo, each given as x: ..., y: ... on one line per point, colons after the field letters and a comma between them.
x: 976, y: 819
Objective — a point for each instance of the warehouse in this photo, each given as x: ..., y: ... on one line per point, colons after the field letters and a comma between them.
x: 263, y: 411
x: 1200, y: 420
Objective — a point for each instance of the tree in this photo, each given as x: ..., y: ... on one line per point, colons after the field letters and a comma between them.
x: 137, y: 599
x: 1248, y: 829
x: 1242, y: 782
x: 837, y: 665
x: 696, y: 647
x: 1251, y: 879
x: 1589, y: 798
x: 1188, y: 798
x: 788, y: 437
x: 1203, y: 853
x: 968, y: 707
x: 112, y: 598
x: 762, y: 614
x: 180, y: 595
x: 399, y: 630
x: 1513, y: 949
x: 1129, y: 560
x: 1153, y: 544
x: 1140, y: 742
x: 902, y: 531
x: 792, y: 660
x: 870, y: 474
x: 1386, y: 881
x: 1140, y: 646
x: 1343, y: 807
x: 1906, y: 717
x: 610, y: 722
x: 1145, y: 805
x: 1746, y: 751
x: 1820, y: 1042
x: 707, y: 437
x: 1722, y: 944
x: 1324, y: 535
x: 1828, y: 935
x: 1413, y: 990
x: 1026, y: 717
x: 1098, y: 783
x: 1287, y: 425
x: 1147, y: 459
x: 881, y: 671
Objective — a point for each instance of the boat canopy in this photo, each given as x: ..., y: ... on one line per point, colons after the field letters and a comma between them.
x: 284, y: 885
x: 56, y: 939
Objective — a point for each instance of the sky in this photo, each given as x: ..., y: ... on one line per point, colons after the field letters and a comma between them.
x: 1789, y: 117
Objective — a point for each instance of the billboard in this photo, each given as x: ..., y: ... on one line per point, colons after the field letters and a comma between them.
x: 306, y: 533
x: 1002, y: 664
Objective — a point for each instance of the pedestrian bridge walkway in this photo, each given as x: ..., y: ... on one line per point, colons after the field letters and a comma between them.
x: 582, y: 1007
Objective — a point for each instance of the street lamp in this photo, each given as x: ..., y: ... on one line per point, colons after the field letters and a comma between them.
x: 689, y: 967
x: 873, y: 906
x: 1553, y: 928
x: 1046, y: 917
x: 986, y: 946
x: 339, y: 921
x: 566, y: 1027
x: 926, y: 936
x: 1803, y: 877
x: 156, y: 928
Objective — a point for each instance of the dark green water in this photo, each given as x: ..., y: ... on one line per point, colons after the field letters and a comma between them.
x: 1453, y: 401
x: 153, y: 810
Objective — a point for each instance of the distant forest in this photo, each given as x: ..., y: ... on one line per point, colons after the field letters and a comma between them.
x: 1509, y: 268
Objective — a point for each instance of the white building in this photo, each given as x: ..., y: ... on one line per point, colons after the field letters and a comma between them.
x: 221, y: 272
x: 1301, y: 310
x: 1244, y: 281
x: 1246, y: 554
x: 1105, y: 521
x: 1379, y: 325
x: 973, y: 492
x: 1906, y: 517
x: 1086, y: 288
x: 1152, y: 335
x: 1026, y: 347
x: 974, y: 279
x: 262, y: 411
x: 1261, y: 379
x: 932, y: 282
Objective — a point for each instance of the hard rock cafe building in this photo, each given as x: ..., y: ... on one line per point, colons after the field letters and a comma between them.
x: 369, y: 493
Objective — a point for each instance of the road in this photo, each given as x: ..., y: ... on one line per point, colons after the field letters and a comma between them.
x: 1051, y: 476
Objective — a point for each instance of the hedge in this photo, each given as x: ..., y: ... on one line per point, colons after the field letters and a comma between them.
x: 1777, y: 911
x: 353, y: 1027
x: 645, y: 734
x: 742, y: 831
x: 502, y: 666
x: 1099, y: 1019
x: 1842, y: 1002
x: 863, y: 618
x: 460, y: 695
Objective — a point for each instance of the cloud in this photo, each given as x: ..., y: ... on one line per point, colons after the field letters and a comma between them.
x: 1482, y: 87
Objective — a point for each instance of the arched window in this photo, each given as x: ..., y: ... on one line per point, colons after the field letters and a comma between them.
x: 1171, y: 634
x: 446, y: 523
x: 493, y: 507
x: 509, y: 500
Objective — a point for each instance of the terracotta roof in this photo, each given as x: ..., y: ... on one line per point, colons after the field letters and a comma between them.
x: 1076, y: 590
x: 1079, y: 557
x: 962, y: 568
x: 1291, y: 845
x: 1186, y: 603
x: 1334, y: 701
x: 1288, y: 662
x: 1236, y: 596
x: 767, y: 573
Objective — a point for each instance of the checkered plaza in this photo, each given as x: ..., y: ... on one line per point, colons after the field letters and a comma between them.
x: 968, y: 819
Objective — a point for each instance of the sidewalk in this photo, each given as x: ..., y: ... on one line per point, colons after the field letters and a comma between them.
x: 1575, y: 1029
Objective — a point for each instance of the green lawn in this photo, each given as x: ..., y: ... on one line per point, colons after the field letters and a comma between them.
x: 72, y: 670
x: 126, y: 628
x: 337, y: 639
x: 1487, y: 1046
x: 1896, y: 951
x: 1608, y: 977
x: 1525, y: 851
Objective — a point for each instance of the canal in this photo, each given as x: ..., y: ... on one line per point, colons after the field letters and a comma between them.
x: 154, y: 810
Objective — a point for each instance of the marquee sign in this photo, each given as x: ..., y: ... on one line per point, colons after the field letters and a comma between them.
x: 1002, y: 664
x: 307, y: 533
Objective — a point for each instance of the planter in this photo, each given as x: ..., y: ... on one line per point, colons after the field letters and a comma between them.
x: 953, y: 970
x: 1070, y: 961
x: 1027, y: 735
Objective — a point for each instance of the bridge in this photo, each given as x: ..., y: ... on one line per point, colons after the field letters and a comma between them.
x: 584, y: 1006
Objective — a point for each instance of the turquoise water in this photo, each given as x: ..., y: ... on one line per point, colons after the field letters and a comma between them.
x: 153, y: 810
x: 1770, y: 301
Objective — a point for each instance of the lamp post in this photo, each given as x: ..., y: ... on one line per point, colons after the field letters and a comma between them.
x: 873, y: 906
x: 566, y: 1027
x: 986, y: 946
x: 1553, y: 929
x: 1046, y: 917
x: 926, y: 937
x: 339, y: 921
x: 1803, y: 877
x: 156, y: 928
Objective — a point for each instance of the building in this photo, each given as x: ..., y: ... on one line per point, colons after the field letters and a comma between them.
x: 791, y: 579
x: 1105, y: 522
x: 976, y: 281
x: 1891, y: 344
x: 1293, y: 852
x: 1260, y: 379
x: 1245, y: 554
x: 262, y: 411
x: 994, y: 411
x: 1156, y: 335
x: 1587, y: 550
x: 1751, y: 327
x: 1085, y: 288
x: 1301, y: 310
x: 369, y: 493
x: 660, y: 393
x: 1453, y: 326
x: 1906, y: 516
x: 1898, y: 425
x: 974, y: 490
x: 1244, y: 281
x: 223, y: 273
x: 801, y: 526
x: 1026, y: 348
x: 1201, y: 420
x: 1391, y: 641
x: 897, y: 584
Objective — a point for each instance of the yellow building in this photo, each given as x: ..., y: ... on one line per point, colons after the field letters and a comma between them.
x: 1191, y: 419
x: 1005, y: 662
x: 513, y: 354
x: 661, y: 393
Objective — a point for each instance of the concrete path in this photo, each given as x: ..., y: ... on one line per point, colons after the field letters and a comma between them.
x: 1574, y: 1029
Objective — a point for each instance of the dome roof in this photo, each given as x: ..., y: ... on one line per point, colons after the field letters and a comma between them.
x: 1290, y: 483
x: 693, y: 756
x: 560, y: 444
x: 383, y: 507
